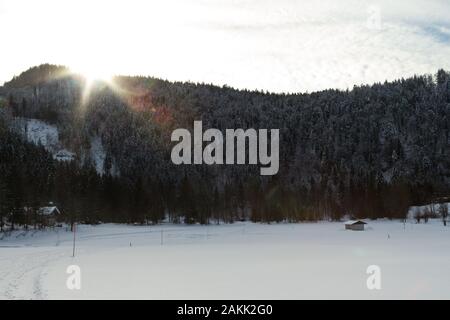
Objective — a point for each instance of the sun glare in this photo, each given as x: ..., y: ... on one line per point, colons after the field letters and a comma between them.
x: 93, y: 75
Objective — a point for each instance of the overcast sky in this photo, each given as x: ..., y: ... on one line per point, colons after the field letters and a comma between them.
x: 280, y: 46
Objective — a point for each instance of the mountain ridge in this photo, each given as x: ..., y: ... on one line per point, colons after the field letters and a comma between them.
x: 370, y: 152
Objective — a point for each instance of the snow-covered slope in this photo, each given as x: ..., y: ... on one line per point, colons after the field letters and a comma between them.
x: 39, y: 132
x: 98, y: 154
x: 238, y: 261
x: 42, y: 133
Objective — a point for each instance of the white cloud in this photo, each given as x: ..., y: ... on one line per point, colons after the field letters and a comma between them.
x: 283, y: 45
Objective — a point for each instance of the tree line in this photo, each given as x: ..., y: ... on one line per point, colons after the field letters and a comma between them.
x: 368, y: 152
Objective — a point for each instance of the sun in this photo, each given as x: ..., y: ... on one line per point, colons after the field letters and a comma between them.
x: 93, y: 73
x: 93, y: 76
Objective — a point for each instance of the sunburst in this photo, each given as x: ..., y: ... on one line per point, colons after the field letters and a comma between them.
x: 93, y: 76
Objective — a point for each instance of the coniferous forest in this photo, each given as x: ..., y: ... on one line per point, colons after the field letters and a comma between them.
x: 369, y: 152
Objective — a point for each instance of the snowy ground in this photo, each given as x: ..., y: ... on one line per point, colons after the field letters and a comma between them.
x: 238, y: 261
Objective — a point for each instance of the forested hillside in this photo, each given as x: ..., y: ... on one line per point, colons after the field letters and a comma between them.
x: 369, y: 152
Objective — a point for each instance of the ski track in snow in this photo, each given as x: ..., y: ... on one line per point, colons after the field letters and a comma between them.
x: 21, y: 276
x: 23, y: 266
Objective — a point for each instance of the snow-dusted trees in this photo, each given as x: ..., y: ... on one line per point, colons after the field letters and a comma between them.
x: 368, y: 152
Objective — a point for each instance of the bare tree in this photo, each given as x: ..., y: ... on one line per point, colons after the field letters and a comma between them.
x: 443, y: 211
x: 427, y: 214
x: 417, y: 214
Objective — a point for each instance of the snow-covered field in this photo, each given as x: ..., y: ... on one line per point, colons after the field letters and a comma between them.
x: 237, y: 261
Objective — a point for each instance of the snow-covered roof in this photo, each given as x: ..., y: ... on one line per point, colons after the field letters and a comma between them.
x: 46, y: 211
x: 350, y: 222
